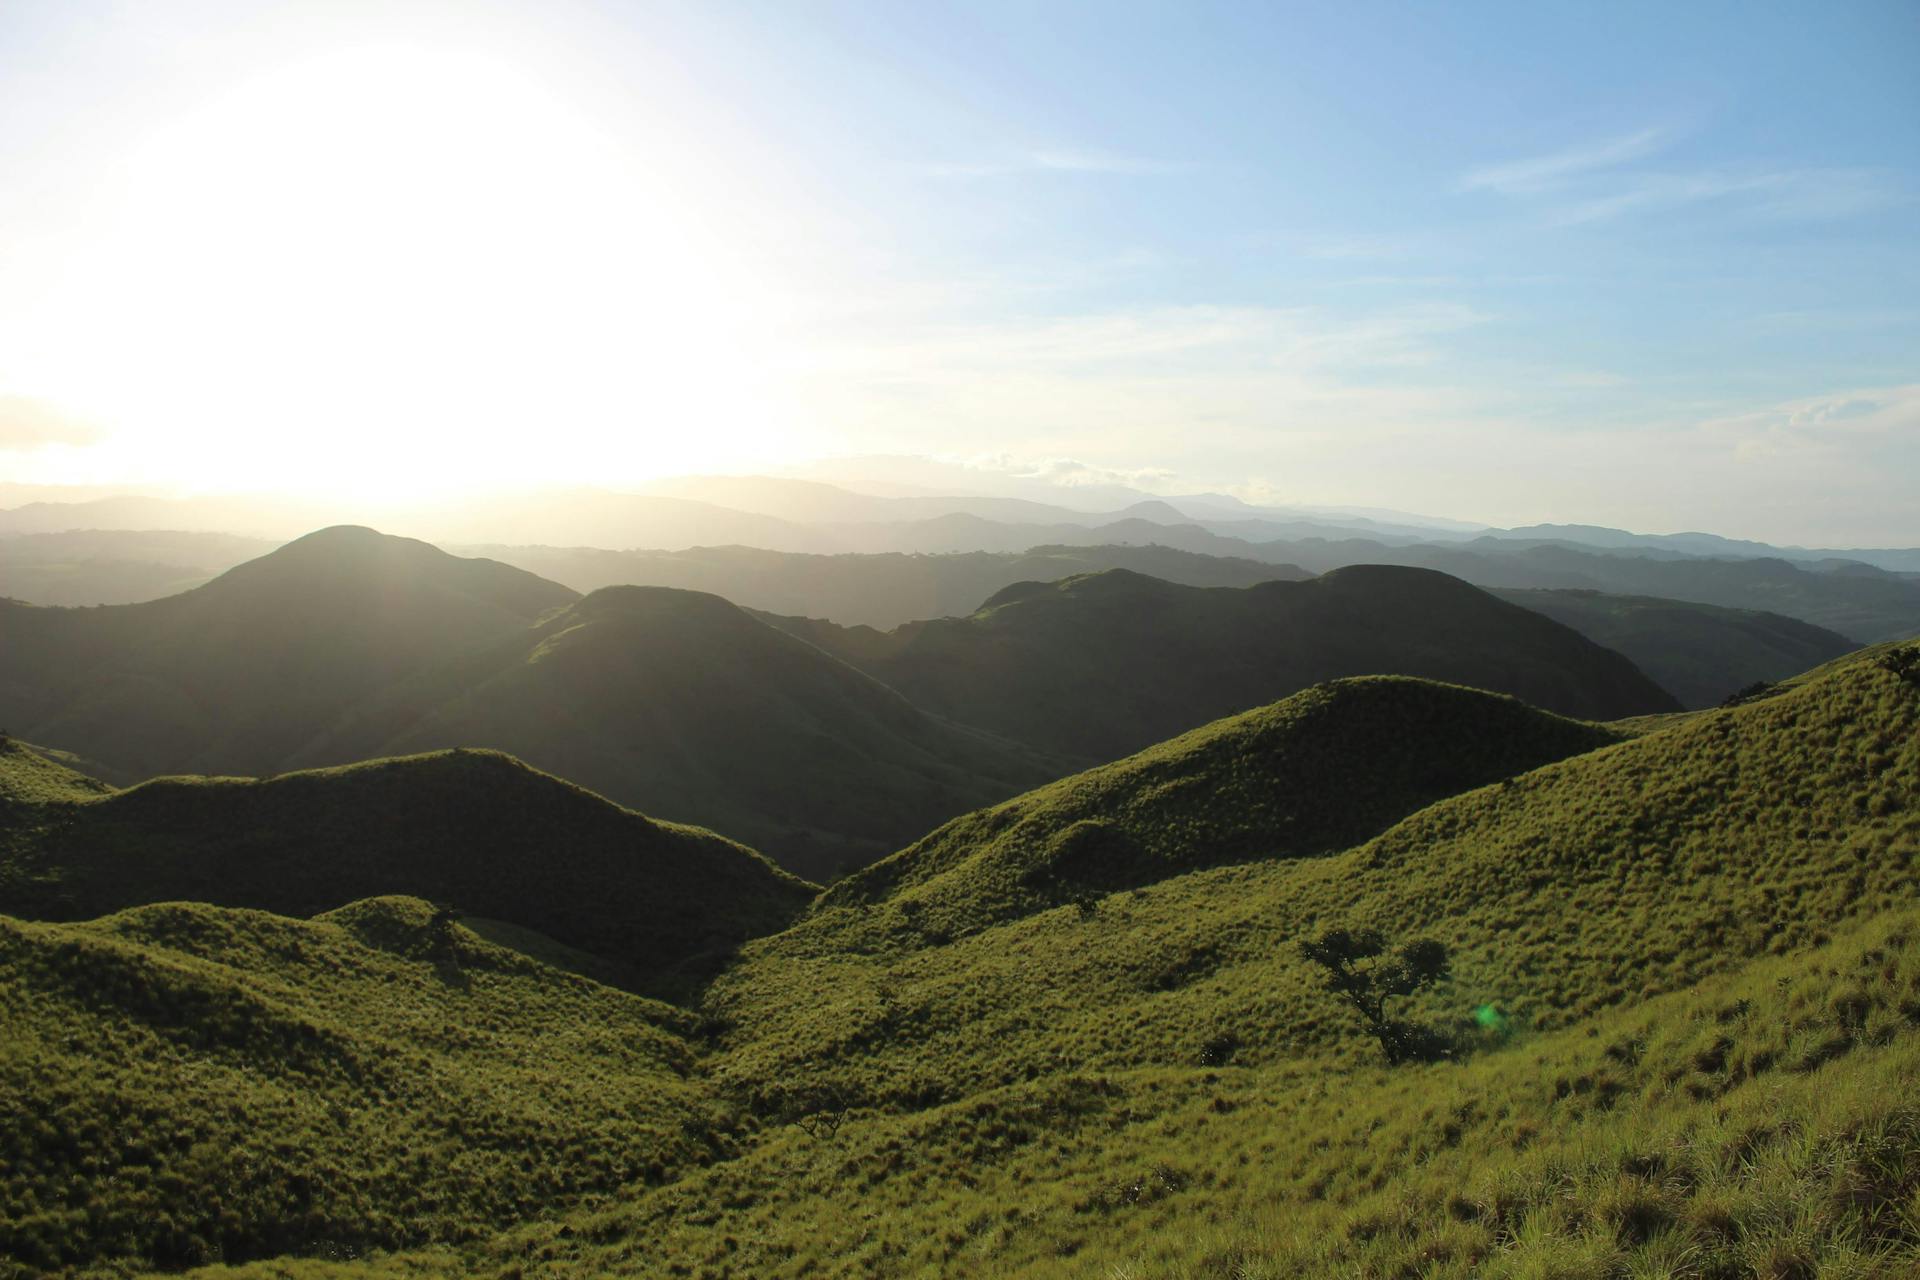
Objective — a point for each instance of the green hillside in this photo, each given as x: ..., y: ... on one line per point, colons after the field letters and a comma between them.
x: 186, y: 1083
x: 1699, y: 653
x: 1104, y: 664
x: 1319, y: 772
x: 472, y: 828
x: 234, y: 676
x: 1683, y: 1005
x: 1583, y: 886
x: 684, y: 706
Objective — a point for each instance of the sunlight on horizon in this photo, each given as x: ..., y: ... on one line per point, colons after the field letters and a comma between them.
x: 397, y: 270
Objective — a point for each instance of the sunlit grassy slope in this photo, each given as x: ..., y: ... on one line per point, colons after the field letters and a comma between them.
x: 1313, y: 774
x: 185, y: 1082
x: 1104, y: 664
x: 1697, y: 952
x: 472, y: 828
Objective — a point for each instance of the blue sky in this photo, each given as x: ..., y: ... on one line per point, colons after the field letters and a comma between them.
x: 1643, y: 265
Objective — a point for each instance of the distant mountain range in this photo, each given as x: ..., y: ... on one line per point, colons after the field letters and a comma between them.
x: 827, y: 747
x: 1101, y: 665
x: 779, y: 545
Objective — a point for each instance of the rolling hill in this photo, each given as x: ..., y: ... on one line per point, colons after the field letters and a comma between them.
x: 680, y: 704
x: 1700, y: 653
x: 254, y: 1086
x: 1101, y: 665
x: 476, y: 829
x: 236, y: 675
x: 883, y: 590
x: 1320, y: 771
x: 1685, y: 976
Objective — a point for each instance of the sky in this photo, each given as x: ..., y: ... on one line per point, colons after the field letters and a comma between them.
x: 1653, y: 266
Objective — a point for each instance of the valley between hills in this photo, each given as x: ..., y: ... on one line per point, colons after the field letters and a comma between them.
x: 370, y: 910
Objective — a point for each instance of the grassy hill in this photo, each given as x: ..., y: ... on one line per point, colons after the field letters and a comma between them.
x: 1316, y: 773
x: 1104, y: 664
x: 1583, y: 886
x: 187, y: 1083
x: 234, y: 676
x: 1685, y: 997
x: 680, y: 704
x: 1699, y: 653
x: 472, y: 828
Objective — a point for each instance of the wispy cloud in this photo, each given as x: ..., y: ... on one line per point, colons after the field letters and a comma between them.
x: 1546, y: 172
x: 1600, y: 181
x: 1048, y: 160
x: 1839, y: 420
x: 1069, y: 473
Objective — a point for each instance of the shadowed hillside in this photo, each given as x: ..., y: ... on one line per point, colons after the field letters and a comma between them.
x: 472, y: 828
x: 1699, y: 653
x: 234, y: 676
x: 882, y: 590
x: 680, y: 704
x: 1104, y: 664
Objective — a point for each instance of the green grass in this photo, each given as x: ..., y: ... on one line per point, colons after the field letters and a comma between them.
x: 33, y: 775
x: 659, y: 902
x: 1761, y: 1123
x: 1702, y: 943
x: 185, y: 1082
x: 1313, y: 774
x: 1587, y: 885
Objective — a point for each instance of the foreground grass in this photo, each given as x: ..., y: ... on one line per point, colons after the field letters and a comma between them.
x: 1697, y: 954
x: 184, y: 1082
x: 1761, y: 1124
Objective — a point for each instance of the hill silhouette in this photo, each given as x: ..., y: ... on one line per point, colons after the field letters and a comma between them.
x: 236, y: 675
x: 1101, y: 665
x: 472, y: 828
x: 1700, y: 653
x: 881, y: 590
x: 681, y: 704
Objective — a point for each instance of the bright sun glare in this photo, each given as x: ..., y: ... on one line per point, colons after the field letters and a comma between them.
x: 397, y: 271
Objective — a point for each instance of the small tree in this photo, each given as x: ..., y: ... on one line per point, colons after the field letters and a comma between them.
x: 1358, y: 968
x: 1902, y: 663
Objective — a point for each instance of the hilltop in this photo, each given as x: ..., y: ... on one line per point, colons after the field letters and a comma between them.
x: 1318, y: 772
x: 475, y: 829
x: 234, y: 676
x: 1100, y: 665
x: 683, y: 705
x: 1582, y: 886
